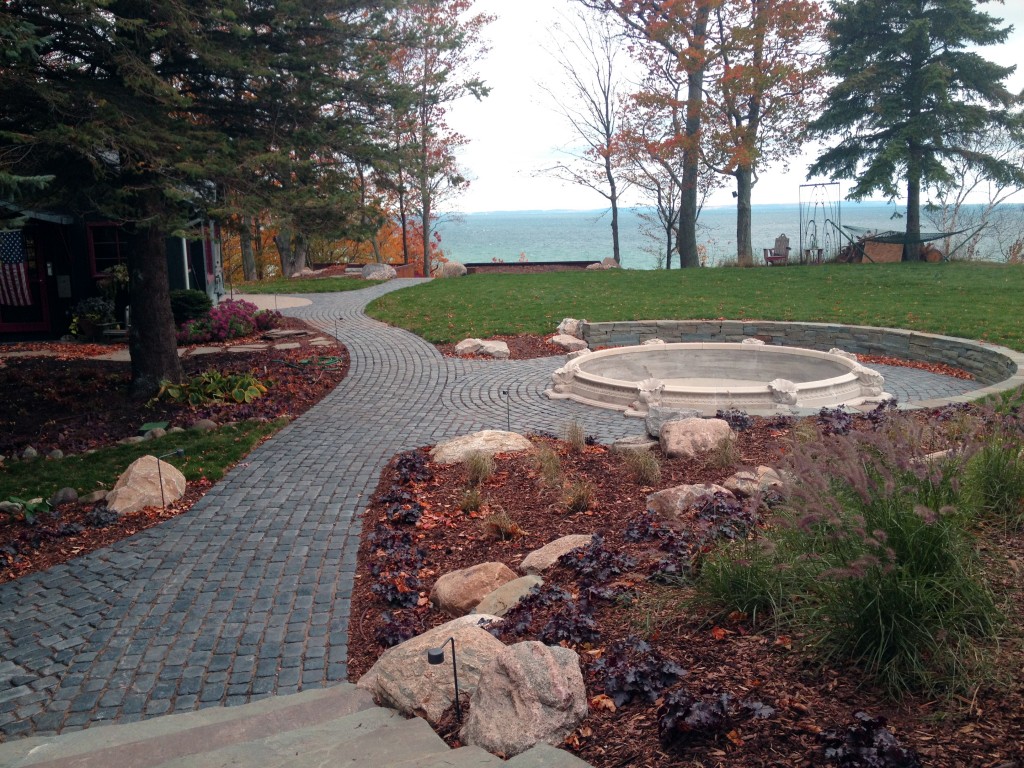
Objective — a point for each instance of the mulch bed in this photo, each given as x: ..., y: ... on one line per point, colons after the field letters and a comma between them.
x: 749, y: 663
x: 73, y: 403
x: 530, y: 346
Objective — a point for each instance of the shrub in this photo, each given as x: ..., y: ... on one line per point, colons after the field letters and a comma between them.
x: 578, y: 497
x: 231, y: 319
x: 644, y: 466
x: 549, y: 466
x: 575, y: 436
x: 189, y: 305
x: 479, y: 467
x: 993, y: 482
x: 869, y: 559
x: 214, y: 385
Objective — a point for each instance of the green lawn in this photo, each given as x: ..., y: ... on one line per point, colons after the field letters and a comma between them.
x: 971, y: 300
x: 305, y: 285
x: 207, y: 454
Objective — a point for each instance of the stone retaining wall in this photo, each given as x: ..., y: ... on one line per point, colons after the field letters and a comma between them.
x: 988, y: 363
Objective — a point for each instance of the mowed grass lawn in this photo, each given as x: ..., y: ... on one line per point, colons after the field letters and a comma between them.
x: 971, y: 300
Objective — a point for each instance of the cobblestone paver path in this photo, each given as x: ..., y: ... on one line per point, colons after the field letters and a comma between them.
x: 248, y: 594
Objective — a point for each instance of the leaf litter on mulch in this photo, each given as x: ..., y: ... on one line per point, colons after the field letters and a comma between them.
x: 753, y: 667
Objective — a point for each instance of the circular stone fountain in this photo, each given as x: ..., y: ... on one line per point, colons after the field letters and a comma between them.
x: 705, y: 376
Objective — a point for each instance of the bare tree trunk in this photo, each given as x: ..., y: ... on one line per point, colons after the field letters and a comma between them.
x: 744, y: 246
x: 245, y: 245
x: 689, y: 194
x: 151, y: 338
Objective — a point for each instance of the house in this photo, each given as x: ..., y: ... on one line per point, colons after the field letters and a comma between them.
x: 54, y: 260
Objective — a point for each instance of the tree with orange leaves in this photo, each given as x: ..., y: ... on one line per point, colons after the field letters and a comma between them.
x: 766, y: 76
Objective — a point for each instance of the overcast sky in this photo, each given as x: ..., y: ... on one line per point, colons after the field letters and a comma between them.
x: 516, y: 131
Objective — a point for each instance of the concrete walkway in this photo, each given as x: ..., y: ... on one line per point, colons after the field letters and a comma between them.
x: 248, y: 594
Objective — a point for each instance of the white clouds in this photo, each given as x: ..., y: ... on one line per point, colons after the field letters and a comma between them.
x: 514, y: 132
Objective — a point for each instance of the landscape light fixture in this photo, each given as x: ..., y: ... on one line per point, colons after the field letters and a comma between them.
x: 508, y: 408
x: 160, y: 474
x: 436, y: 656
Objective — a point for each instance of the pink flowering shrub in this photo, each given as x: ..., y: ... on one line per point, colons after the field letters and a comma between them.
x: 231, y: 319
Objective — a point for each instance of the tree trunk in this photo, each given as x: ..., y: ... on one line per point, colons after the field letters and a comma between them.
x: 425, y: 199
x: 615, y: 230
x: 744, y: 246
x: 912, y: 251
x: 689, y: 194
x: 291, y: 247
x: 245, y: 244
x: 404, y: 218
x: 151, y: 338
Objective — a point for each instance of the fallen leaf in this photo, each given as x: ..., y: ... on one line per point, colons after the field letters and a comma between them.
x: 602, y: 701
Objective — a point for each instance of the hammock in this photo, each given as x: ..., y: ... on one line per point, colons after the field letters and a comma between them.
x: 892, y: 236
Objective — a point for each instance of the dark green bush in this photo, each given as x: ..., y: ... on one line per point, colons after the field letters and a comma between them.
x: 189, y: 305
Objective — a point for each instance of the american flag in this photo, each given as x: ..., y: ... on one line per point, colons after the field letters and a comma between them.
x: 14, y: 290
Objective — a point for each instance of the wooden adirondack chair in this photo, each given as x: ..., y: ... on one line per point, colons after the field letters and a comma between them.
x: 779, y: 255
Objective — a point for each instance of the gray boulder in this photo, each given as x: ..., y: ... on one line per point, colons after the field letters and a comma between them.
x: 501, y: 600
x: 378, y: 272
x: 671, y: 505
x: 570, y: 326
x: 56, y: 453
x: 496, y: 349
x: 748, y: 482
x: 568, y: 343
x: 488, y: 441
x: 658, y: 415
x: 531, y: 693
x: 450, y: 269
x: 64, y: 496
x: 458, y: 592
x: 402, y: 678
x: 29, y: 453
x: 204, y: 425
x: 690, y: 437
x: 541, y: 559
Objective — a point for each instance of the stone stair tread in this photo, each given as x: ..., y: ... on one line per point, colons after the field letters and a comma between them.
x: 380, y: 738
x: 463, y: 757
x: 546, y: 756
x: 112, y: 744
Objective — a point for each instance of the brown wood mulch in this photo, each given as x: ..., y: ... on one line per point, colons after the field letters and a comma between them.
x: 74, y: 403
x: 732, y: 657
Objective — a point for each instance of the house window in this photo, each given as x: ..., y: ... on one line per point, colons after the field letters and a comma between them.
x: 108, y: 247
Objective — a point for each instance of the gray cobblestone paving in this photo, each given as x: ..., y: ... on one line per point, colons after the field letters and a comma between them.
x: 249, y: 593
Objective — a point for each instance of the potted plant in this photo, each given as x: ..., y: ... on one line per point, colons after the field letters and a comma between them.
x: 89, y: 315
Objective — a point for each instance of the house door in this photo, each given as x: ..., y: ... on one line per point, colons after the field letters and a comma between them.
x: 23, y: 295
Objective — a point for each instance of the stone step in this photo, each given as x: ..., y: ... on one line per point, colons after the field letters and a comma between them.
x: 546, y: 756
x: 149, y: 742
x: 463, y: 757
x: 375, y: 737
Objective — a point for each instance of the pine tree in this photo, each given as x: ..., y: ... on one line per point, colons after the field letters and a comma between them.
x: 911, y: 96
x: 141, y: 109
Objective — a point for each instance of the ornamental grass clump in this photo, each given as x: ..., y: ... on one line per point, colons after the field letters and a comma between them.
x: 479, y: 467
x: 643, y: 465
x: 871, y: 561
x: 993, y: 481
x: 549, y: 466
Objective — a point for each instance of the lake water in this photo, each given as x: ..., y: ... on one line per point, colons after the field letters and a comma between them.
x: 579, y: 235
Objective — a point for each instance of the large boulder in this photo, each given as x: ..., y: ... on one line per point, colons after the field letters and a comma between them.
x: 690, y: 437
x: 378, y: 272
x: 488, y: 441
x: 531, y: 693
x: 671, y: 505
x: 402, y: 678
x: 458, y: 592
x: 567, y: 342
x: 504, y: 598
x: 541, y: 559
x: 748, y: 482
x: 450, y: 269
x: 139, y: 486
x: 659, y: 415
x: 570, y: 326
x: 495, y: 349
